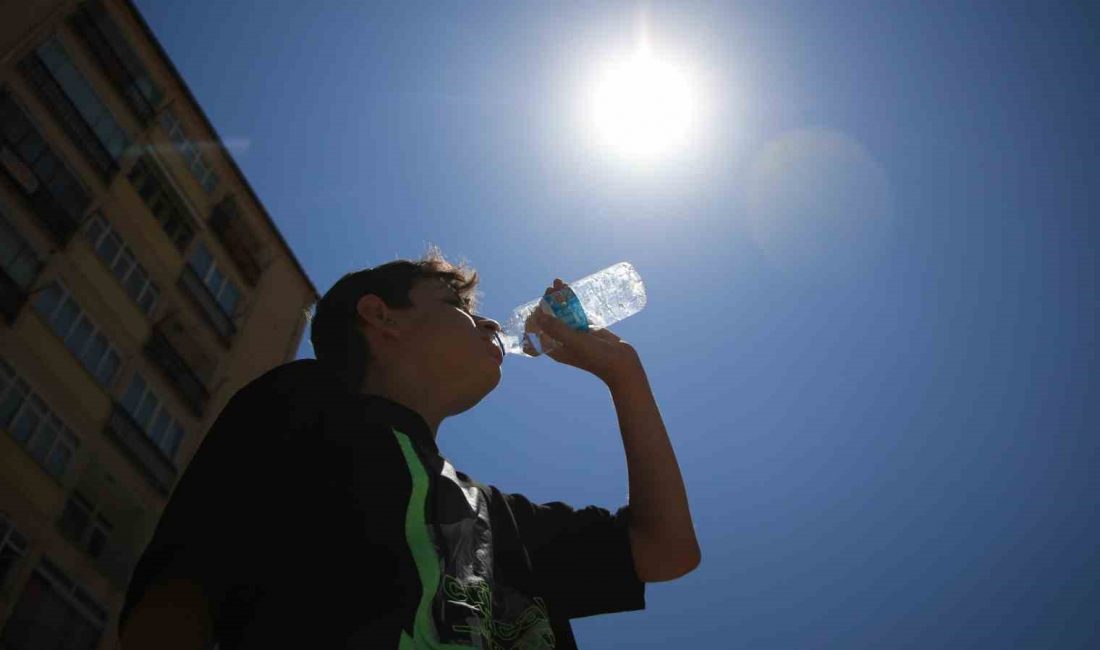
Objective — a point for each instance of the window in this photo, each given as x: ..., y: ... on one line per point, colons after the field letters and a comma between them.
x: 12, y: 547
x: 223, y: 289
x: 150, y: 415
x: 162, y: 201
x: 198, y: 165
x: 50, y: 176
x: 123, y: 264
x: 54, y: 612
x: 32, y: 424
x: 84, y: 115
x: 120, y: 260
x: 118, y: 58
x: 69, y: 321
x: 17, y: 259
x: 81, y: 524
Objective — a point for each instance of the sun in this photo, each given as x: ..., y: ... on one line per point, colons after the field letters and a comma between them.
x: 642, y: 108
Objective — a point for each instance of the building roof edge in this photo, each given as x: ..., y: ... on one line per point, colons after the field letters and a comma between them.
x: 132, y: 8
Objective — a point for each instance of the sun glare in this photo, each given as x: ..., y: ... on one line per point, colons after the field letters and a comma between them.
x: 642, y: 107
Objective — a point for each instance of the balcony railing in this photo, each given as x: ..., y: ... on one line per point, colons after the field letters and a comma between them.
x: 239, y: 241
x: 207, y: 303
x: 158, y: 469
x: 161, y: 352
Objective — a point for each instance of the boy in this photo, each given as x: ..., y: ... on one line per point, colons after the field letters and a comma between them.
x: 318, y: 512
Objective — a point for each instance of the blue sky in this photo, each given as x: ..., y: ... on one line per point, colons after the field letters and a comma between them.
x: 872, y: 322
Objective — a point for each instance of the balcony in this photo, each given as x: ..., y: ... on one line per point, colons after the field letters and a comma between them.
x: 176, y: 368
x: 54, y: 217
x: 100, y: 499
x: 19, y: 268
x: 168, y: 207
x: 117, y: 59
x: 192, y: 285
x: 12, y: 297
x: 159, y: 470
x: 69, y: 117
x: 52, y: 191
x: 238, y: 239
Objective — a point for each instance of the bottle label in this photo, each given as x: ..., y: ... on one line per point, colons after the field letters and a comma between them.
x: 566, y: 307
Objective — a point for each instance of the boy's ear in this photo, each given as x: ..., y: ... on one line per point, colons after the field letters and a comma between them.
x: 372, y: 309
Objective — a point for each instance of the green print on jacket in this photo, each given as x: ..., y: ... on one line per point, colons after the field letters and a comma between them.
x: 529, y: 631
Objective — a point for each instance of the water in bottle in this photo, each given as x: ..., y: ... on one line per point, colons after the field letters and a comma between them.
x: 594, y: 302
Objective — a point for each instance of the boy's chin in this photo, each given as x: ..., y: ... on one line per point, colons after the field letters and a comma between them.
x: 473, y: 399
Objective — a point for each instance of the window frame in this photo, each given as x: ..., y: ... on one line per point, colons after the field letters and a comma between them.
x: 227, y: 281
x: 64, y: 298
x: 174, y: 430
x: 94, y: 523
x: 107, y: 231
x: 11, y: 383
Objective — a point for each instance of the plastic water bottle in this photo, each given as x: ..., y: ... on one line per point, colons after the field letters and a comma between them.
x: 594, y: 302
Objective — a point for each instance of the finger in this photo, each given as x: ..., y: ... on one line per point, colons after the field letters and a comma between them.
x: 554, y: 327
x: 545, y: 328
x: 567, y: 335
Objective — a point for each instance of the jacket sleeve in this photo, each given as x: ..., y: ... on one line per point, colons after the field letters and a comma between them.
x: 582, y: 558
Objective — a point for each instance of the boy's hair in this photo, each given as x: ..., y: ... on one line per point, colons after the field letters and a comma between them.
x: 335, y: 333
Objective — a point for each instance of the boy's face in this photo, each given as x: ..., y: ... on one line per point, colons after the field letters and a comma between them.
x: 456, y: 351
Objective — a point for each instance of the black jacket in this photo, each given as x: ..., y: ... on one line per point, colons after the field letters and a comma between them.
x: 315, y: 518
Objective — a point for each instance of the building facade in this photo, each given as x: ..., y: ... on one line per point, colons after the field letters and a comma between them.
x: 142, y: 283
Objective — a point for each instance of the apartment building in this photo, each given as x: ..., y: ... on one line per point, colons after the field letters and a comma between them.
x: 142, y: 283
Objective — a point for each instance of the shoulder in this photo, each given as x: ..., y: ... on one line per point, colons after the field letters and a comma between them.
x: 300, y: 378
x: 279, y: 412
x: 287, y: 393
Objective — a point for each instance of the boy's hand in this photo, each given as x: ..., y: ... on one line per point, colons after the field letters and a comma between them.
x: 598, y: 351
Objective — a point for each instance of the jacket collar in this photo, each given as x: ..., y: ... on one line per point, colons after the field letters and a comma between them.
x: 409, y: 422
x: 307, y: 379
